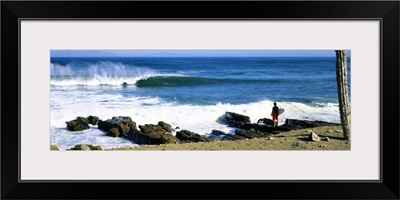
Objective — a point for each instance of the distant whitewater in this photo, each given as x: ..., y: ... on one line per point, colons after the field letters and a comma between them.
x: 190, y: 93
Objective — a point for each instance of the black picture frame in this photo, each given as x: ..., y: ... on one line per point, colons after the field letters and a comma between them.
x: 386, y: 11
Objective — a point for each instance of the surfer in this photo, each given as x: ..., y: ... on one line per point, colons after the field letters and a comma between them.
x: 275, y: 113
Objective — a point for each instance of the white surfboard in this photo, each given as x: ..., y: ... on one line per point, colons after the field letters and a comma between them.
x: 280, y: 111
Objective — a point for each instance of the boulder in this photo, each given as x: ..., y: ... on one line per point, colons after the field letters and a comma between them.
x: 188, y: 136
x: 265, y: 128
x: 236, y: 120
x: 169, y: 139
x: 301, y: 124
x: 223, y: 136
x: 78, y: 124
x: 81, y: 147
x: 266, y: 121
x: 144, y: 138
x: 114, y: 132
x: 54, y: 147
x: 94, y: 148
x: 217, y: 132
x: 216, y: 135
x: 314, y: 137
x: 85, y: 147
x: 258, y: 127
x: 151, y: 128
x: 152, y: 138
x: 93, y: 120
x: 252, y: 133
x: 165, y: 126
x: 153, y: 134
x: 120, y: 126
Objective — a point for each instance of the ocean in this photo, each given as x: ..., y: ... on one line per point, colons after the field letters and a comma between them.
x: 187, y: 92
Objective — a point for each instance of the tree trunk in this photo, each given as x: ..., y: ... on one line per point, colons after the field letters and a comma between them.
x: 343, y: 92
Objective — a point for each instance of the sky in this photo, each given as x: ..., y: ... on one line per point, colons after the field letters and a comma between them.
x: 193, y: 53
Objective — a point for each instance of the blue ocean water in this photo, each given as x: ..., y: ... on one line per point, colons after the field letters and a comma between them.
x: 189, y: 92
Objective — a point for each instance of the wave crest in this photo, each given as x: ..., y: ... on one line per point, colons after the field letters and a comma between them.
x: 100, y: 73
x: 174, y: 81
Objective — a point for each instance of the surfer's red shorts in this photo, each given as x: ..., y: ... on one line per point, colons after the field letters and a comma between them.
x: 275, y: 117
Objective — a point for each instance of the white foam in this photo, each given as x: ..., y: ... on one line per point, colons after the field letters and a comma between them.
x: 65, y: 139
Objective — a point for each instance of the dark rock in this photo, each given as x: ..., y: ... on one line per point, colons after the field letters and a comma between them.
x: 250, y: 133
x: 145, y: 138
x: 153, y: 134
x: 78, y: 124
x: 94, y: 148
x: 231, y: 137
x: 83, y: 120
x: 231, y: 116
x: 258, y: 127
x: 169, y: 139
x: 124, y: 128
x: 93, y: 120
x: 217, y: 132
x: 152, y: 138
x: 265, y: 128
x: 131, y: 124
x: 216, y: 135
x: 81, y: 123
x: 266, y: 121
x: 114, y: 132
x: 223, y: 136
x: 161, y: 128
x: 166, y: 126
x: 300, y: 124
x: 123, y: 124
x: 236, y: 120
x: 153, y: 129
x: 188, y: 136
x: 106, y: 125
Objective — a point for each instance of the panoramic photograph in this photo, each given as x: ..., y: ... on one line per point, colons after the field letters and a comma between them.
x: 185, y: 100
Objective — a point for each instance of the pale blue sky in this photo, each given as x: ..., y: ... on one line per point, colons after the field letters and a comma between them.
x: 193, y: 53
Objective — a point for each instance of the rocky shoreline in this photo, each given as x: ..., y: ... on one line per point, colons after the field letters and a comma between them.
x: 163, y: 134
x: 330, y: 138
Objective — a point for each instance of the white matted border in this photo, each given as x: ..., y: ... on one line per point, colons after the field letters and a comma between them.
x: 40, y: 36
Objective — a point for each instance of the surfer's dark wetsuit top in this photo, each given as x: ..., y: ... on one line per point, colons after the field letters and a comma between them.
x: 275, y: 111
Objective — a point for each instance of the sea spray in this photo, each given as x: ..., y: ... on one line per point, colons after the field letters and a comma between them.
x: 100, y: 73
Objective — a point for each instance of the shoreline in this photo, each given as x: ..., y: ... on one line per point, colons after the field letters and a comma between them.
x: 291, y: 140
